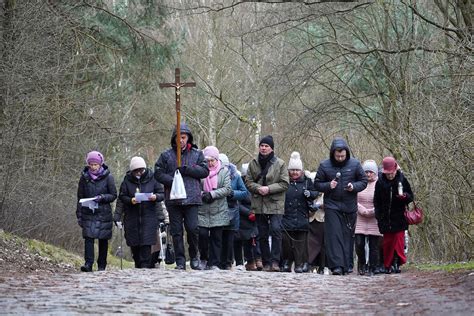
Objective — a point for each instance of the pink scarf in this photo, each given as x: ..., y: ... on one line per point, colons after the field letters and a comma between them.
x: 210, y: 183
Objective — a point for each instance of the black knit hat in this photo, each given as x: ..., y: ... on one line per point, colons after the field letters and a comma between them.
x: 267, y: 140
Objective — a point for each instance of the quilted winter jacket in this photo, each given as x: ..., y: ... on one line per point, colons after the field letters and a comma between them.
x: 96, y: 223
x: 350, y: 170
x: 196, y: 169
x: 366, y: 223
x: 216, y: 213
x: 296, y: 204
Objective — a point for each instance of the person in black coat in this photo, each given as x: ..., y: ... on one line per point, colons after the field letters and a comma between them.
x: 391, y: 197
x: 340, y: 178
x: 95, y: 217
x: 295, y: 220
x: 140, y: 218
x: 193, y: 168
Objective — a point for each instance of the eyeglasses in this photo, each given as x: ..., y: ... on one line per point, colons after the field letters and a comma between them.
x: 140, y: 170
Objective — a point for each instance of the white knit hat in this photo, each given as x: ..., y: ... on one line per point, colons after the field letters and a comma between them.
x: 224, y: 159
x: 370, y: 165
x: 137, y: 163
x: 295, y: 161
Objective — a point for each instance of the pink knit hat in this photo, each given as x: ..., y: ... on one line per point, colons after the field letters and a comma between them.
x: 211, y: 152
x: 95, y: 157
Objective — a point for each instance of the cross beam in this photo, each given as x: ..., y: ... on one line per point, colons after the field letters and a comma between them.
x: 177, y: 85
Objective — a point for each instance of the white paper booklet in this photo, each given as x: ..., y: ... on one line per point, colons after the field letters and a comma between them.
x: 140, y: 197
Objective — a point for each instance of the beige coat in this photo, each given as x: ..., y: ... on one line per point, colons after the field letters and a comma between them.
x: 277, y: 181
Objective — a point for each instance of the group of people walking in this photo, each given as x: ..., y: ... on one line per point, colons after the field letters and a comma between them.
x: 261, y: 215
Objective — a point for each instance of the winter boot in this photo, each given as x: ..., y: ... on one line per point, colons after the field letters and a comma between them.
x: 299, y: 269
x: 306, y: 267
x: 275, y: 267
x: 251, y: 266
x: 286, y: 266
x: 87, y: 267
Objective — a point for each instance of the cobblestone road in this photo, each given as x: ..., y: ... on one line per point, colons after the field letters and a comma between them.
x: 161, y: 291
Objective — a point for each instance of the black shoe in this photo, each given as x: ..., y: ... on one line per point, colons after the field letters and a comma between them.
x: 350, y: 270
x: 337, y: 271
x: 101, y: 268
x: 396, y: 266
x: 195, y: 264
x: 286, y: 266
x: 306, y: 267
x: 320, y: 270
x: 86, y: 268
x: 378, y: 270
x: 299, y: 269
x: 388, y: 270
x: 180, y: 267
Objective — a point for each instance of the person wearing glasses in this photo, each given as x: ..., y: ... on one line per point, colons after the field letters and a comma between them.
x: 140, y: 197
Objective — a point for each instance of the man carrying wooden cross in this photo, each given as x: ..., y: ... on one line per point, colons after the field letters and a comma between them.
x: 193, y: 167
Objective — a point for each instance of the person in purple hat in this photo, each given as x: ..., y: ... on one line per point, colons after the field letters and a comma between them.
x: 95, y: 219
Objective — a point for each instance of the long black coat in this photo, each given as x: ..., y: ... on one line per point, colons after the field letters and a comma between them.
x: 351, y: 171
x: 96, y: 223
x: 296, y: 204
x: 140, y: 220
x: 196, y: 169
x: 389, y: 210
x: 247, y: 228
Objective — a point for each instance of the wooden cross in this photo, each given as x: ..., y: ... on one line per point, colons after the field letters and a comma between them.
x: 177, y: 85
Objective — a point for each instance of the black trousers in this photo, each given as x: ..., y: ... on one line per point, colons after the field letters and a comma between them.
x: 373, y: 249
x: 294, y: 247
x: 251, y: 250
x: 142, y: 256
x: 227, y: 253
x: 187, y: 214
x: 338, y: 232
x: 238, y: 251
x: 89, y: 252
x: 270, y: 225
x: 210, y: 245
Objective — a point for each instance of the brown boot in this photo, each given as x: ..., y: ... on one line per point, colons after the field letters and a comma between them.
x: 275, y: 267
x: 251, y: 266
x: 259, y: 264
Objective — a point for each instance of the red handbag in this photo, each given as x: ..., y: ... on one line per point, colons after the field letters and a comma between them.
x: 415, y: 216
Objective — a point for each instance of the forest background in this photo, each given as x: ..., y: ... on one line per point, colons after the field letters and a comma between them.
x: 392, y: 77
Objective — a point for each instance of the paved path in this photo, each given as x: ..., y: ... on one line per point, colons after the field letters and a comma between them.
x: 162, y: 291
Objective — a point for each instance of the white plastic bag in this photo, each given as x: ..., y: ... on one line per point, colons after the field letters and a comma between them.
x: 178, y: 190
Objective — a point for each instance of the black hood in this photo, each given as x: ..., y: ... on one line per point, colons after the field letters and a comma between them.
x: 339, y: 143
x: 184, y: 129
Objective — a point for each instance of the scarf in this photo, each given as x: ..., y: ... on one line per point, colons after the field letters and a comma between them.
x: 95, y: 175
x: 210, y: 183
x: 264, y: 162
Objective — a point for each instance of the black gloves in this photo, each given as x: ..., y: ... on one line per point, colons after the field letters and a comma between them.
x: 207, y: 197
x: 182, y: 170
